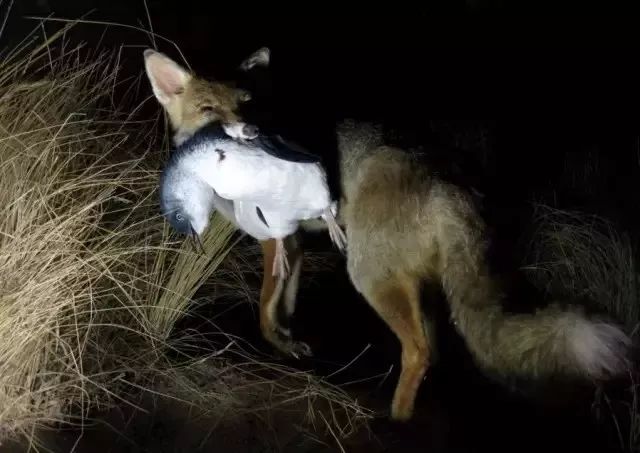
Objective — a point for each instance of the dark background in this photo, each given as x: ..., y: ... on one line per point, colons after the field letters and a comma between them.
x: 531, y: 97
x: 546, y: 80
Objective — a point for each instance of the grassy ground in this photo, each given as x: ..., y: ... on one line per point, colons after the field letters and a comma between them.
x: 92, y: 281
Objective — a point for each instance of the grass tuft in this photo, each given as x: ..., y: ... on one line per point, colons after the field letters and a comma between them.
x: 92, y: 281
x: 578, y: 255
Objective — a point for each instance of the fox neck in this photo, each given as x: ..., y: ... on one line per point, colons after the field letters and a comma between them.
x: 182, y: 133
x: 180, y: 137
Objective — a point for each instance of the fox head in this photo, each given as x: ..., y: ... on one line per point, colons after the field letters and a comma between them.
x: 192, y: 102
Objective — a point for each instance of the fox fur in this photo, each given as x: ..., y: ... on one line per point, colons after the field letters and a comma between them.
x: 192, y: 102
x: 406, y: 227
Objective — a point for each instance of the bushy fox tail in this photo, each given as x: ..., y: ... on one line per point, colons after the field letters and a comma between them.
x: 551, y: 341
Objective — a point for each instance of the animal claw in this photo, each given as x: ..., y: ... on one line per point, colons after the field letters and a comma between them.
x: 285, y: 345
x: 299, y: 348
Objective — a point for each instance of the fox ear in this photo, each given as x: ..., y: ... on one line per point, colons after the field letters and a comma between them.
x: 167, y: 77
x: 260, y: 57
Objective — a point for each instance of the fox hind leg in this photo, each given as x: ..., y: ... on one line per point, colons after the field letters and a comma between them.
x: 397, y: 302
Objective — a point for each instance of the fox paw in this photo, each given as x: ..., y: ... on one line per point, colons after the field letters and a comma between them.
x: 299, y: 349
x: 287, y: 346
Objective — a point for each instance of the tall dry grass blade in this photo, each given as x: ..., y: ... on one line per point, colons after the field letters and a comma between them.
x: 190, y: 271
x: 91, y: 284
x: 572, y: 254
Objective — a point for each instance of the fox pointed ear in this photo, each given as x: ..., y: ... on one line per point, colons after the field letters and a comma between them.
x: 167, y: 77
x: 260, y: 57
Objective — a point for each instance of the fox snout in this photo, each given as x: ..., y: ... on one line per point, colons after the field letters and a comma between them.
x: 240, y: 130
x: 250, y: 131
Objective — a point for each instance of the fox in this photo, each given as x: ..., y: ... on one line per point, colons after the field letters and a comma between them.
x: 406, y: 227
x: 192, y: 102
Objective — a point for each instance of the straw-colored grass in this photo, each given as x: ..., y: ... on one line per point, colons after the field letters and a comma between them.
x: 92, y: 280
x: 574, y: 255
x: 577, y: 255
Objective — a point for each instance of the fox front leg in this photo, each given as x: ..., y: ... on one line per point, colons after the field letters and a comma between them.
x: 270, y: 298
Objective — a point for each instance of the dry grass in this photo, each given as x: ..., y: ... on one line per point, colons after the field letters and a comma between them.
x: 576, y: 255
x: 92, y: 283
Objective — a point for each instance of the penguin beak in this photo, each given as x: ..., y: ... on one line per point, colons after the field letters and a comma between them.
x: 197, y: 242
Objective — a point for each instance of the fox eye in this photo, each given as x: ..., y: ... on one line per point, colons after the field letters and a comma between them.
x: 206, y: 109
x: 179, y: 217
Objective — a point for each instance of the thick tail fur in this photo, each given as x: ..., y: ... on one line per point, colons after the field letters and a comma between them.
x: 552, y: 341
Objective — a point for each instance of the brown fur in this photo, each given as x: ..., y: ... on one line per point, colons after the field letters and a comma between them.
x: 192, y: 102
x: 406, y: 227
x: 205, y: 102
